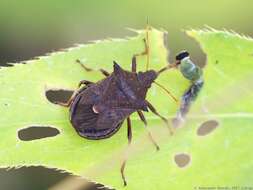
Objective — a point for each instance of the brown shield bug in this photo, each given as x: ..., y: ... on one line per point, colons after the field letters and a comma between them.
x: 97, y: 110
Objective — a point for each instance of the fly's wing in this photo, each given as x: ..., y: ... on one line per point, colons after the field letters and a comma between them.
x: 93, y: 125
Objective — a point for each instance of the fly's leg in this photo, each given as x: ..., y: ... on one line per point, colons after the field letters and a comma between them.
x: 159, y: 115
x: 104, y: 72
x: 67, y: 104
x: 145, y: 52
x: 129, y: 137
x: 143, y: 119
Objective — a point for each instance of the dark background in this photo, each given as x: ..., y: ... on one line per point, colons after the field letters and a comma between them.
x: 30, y: 28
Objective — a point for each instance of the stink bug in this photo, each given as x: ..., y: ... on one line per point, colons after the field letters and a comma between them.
x: 97, y: 110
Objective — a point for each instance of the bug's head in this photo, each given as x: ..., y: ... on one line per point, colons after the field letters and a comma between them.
x: 147, y: 78
x: 182, y: 55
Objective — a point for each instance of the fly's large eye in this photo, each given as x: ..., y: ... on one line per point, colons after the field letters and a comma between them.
x: 182, y: 55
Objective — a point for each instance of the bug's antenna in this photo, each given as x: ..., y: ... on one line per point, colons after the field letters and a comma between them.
x: 147, y: 43
x: 168, y: 92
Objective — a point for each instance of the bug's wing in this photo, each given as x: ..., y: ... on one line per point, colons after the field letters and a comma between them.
x: 112, y: 117
x: 109, y: 122
x: 93, y: 125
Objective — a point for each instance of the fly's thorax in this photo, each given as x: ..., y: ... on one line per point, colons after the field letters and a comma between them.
x: 186, y: 64
x: 186, y: 60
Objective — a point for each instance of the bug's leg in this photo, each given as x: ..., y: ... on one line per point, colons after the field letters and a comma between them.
x: 134, y: 64
x: 143, y: 119
x: 104, y: 72
x: 159, y: 115
x: 67, y: 104
x: 129, y: 136
x: 145, y: 52
x: 85, y: 82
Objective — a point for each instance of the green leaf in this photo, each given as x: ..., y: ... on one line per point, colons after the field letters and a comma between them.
x: 220, y: 158
x: 23, y: 103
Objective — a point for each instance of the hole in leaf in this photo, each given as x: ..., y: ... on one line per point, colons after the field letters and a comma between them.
x: 58, y: 95
x: 207, y: 127
x: 179, y: 40
x: 40, y: 178
x: 182, y: 159
x: 37, y: 132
